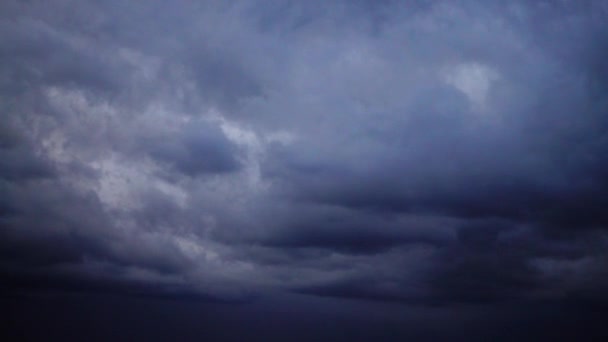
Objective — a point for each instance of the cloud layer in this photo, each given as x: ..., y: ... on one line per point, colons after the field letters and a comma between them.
x: 423, y: 152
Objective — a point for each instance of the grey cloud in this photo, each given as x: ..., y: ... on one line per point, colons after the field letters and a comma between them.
x: 426, y: 153
x: 19, y: 163
x: 197, y: 149
x: 35, y: 54
x: 352, y: 231
x: 222, y: 78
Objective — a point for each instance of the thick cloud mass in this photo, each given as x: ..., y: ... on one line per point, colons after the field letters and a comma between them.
x: 425, y: 153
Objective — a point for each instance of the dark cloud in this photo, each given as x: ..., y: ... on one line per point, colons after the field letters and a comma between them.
x: 222, y: 78
x: 36, y: 54
x: 198, y: 149
x: 378, y: 156
x: 353, y: 232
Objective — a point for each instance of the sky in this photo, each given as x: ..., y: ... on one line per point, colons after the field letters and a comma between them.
x: 304, y: 170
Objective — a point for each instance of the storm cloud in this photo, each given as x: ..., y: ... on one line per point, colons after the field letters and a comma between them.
x: 436, y: 156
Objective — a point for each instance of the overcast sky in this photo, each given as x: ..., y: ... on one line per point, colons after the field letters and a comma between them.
x: 368, y: 163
